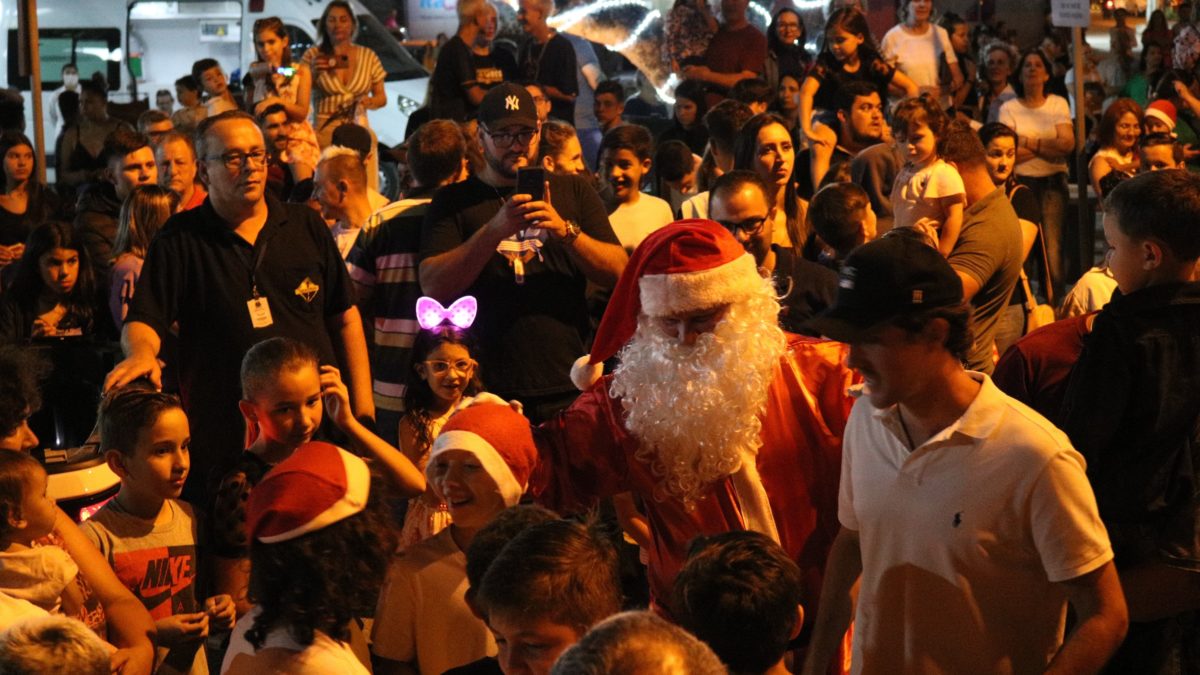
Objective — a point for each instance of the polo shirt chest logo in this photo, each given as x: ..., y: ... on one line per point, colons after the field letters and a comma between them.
x: 307, y: 289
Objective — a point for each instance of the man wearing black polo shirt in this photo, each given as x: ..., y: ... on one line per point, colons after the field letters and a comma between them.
x: 240, y: 268
x: 548, y: 58
x: 533, y: 318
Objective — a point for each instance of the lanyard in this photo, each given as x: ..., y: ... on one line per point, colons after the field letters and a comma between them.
x: 259, y: 253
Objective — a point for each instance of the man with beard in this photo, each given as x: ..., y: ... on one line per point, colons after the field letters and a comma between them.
x: 526, y: 259
x: 860, y: 125
x: 715, y: 418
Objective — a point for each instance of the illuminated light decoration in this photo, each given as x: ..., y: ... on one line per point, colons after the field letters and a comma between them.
x: 637, y: 31
x: 573, y: 16
x: 431, y: 314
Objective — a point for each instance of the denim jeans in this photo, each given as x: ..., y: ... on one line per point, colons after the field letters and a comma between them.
x: 1051, y: 195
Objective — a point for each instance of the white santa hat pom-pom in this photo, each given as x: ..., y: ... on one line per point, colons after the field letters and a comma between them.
x: 584, y: 374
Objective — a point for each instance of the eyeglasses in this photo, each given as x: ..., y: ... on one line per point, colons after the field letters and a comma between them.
x: 236, y: 160
x: 463, y: 366
x: 748, y: 227
x: 505, y: 139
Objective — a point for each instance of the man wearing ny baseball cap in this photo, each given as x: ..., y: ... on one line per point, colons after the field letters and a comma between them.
x: 967, y: 516
x: 527, y: 257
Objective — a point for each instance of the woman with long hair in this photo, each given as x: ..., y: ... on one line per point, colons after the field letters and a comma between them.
x: 53, y: 292
x: 690, y: 107
x: 143, y: 214
x: 1043, y: 124
x: 25, y: 202
x: 786, y: 54
x: 275, y: 77
x: 1117, y: 158
x: 764, y: 145
x: 347, y: 79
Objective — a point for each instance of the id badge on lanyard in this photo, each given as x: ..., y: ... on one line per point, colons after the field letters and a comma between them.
x: 258, y: 305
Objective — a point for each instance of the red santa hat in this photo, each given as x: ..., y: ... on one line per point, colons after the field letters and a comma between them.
x: 685, y: 266
x: 317, y: 486
x: 499, y: 437
x: 1164, y: 111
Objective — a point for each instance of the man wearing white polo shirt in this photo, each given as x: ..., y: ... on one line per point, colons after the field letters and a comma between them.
x: 967, y: 516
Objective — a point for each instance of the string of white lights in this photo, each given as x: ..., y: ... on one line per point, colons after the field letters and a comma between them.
x: 637, y: 31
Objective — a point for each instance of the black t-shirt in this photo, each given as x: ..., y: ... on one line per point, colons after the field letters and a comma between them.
x: 198, y: 273
x: 806, y: 289
x: 802, y: 170
x: 528, y: 334
x: 833, y: 77
x: 552, y: 64
x: 458, y: 69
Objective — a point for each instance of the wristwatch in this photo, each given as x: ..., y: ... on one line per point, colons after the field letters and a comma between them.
x: 572, y: 233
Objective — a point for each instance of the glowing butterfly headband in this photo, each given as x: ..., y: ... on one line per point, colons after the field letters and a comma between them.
x: 431, y: 314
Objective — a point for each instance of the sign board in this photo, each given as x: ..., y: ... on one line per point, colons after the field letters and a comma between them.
x: 427, y: 18
x: 1071, y: 13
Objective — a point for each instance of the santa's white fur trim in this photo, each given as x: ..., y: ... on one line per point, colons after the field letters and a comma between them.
x: 667, y: 294
x: 584, y: 374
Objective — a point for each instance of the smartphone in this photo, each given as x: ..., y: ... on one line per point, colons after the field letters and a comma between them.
x: 286, y: 71
x: 531, y: 181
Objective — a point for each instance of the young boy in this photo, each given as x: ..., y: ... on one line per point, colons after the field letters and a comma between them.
x: 624, y: 162
x: 1132, y: 408
x: 215, y: 84
x: 545, y: 590
x: 285, y: 391
x: 1160, y: 152
x: 609, y: 105
x: 739, y: 592
x: 754, y: 92
x: 842, y: 217
x: 479, y: 464
x: 43, y: 575
x: 150, y: 537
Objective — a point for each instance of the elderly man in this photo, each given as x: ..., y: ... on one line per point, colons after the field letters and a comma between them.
x: 715, y: 417
x: 176, y: 158
x: 238, y: 269
x: 526, y: 258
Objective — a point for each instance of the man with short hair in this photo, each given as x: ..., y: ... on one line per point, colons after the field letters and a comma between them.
x: 609, y: 105
x: 154, y: 124
x: 1160, y: 152
x: 638, y: 642
x: 715, y: 418
x: 284, y: 168
x: 359, y: 139
x: 383, y: 265
x: 548, y: 58
x: 989, y: 253
x: 723, y: 121
x: 967, y: 521
x: 176, y: 158
x: 340, y: 187
x: 240, y: 268
x: 128, y: 162
x: 737, y: 51
x: 526, y: 259
x: 860, y: 125
x: 462, y: 76
x: 743, y: 204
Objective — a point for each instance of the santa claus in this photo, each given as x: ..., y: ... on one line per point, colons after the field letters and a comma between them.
x: 715, y: 417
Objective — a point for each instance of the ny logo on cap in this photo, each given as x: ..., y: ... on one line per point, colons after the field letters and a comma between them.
x: 512, y: 103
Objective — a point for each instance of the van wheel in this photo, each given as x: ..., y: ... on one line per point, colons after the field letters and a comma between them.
x: 389, y: 180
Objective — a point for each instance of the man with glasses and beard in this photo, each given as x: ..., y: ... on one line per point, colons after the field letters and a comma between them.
x: 526, y: 258
x: 715, y: 418
x: 238, y: 269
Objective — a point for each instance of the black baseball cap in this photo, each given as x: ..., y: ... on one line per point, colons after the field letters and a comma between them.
x: 505, y: 104
x: 894, y: 276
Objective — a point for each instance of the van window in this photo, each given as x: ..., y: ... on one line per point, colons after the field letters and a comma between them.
x: 94, y: 50
x: 397, y: 62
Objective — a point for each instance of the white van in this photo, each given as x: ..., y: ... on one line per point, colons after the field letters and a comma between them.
x: 142, y: 46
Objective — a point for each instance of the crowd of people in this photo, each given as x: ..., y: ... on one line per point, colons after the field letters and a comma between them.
x: 764, y: 384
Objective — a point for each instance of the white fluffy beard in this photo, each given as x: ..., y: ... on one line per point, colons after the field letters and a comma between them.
x: 695, y: 409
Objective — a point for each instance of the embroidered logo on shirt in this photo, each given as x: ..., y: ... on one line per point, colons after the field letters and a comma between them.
x: 307, y: 289
x: 512, y: 103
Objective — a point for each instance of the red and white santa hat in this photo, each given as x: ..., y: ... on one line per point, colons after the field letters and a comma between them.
x: 1164, y: 111
x: 317, y: 486
x: 685, y: 266
x: 499, y: 437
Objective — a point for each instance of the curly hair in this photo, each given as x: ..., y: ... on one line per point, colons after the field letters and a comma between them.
x: 418, y: 397
x: 923, y: 109
x: 20, y: 372
x: 322, y: 580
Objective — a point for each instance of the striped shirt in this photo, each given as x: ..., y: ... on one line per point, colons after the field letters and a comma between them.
x: 383, y: 265
x: 330, y: 94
